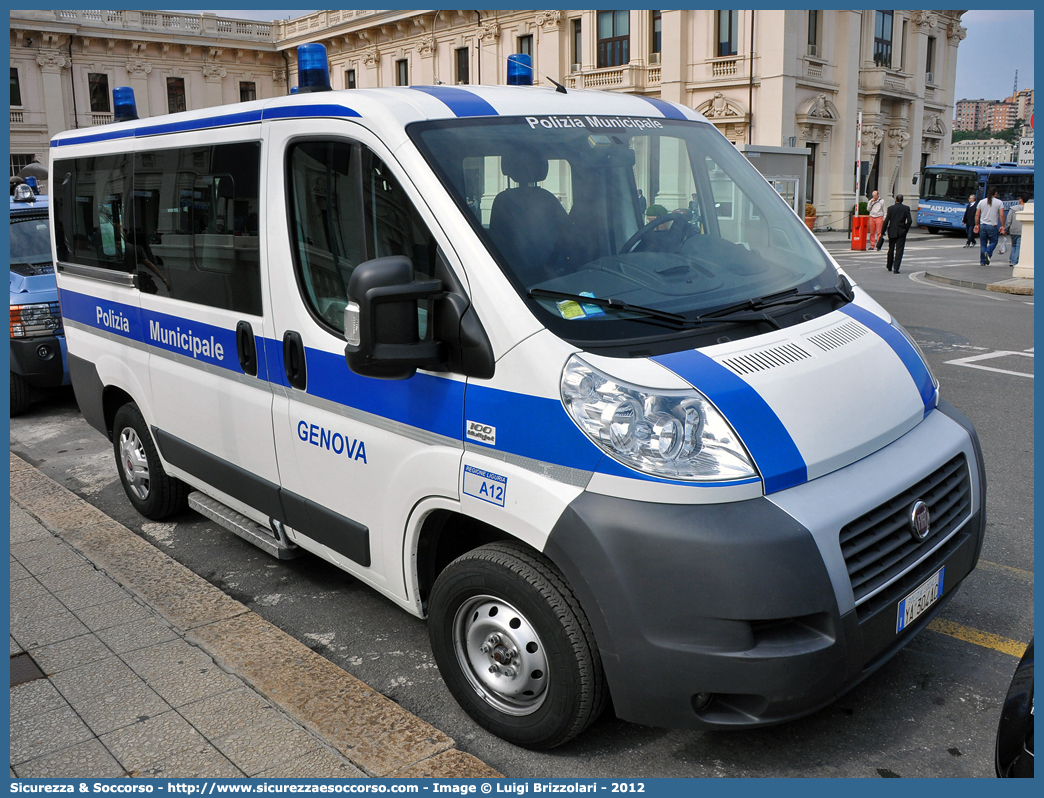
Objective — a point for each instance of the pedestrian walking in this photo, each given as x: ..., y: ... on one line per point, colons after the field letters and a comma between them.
x: 896, y: 224
x: 969, y: 221
x: 1015, y: 230
x: 642, y: 202
x: 876, y: 208
x: 989, y: 224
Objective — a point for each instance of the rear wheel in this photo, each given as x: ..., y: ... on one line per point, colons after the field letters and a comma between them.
x: 514, y: 647
x: 933, y: 230
x: 153, y: 493
x: 19, y: 394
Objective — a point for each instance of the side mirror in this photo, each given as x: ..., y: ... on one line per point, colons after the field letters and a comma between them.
x: 381, y: 320
x: 915, y: 178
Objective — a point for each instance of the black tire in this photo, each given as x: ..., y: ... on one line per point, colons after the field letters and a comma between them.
x: 19, y: 395
x: 510, y: 591
x: 933, y: 231
x: 153, y: 494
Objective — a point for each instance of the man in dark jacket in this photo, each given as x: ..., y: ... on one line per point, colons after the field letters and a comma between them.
x: 897, y: 222
x: 969, y: 220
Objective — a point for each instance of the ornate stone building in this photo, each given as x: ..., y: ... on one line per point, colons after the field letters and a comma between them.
x: 792, y: 78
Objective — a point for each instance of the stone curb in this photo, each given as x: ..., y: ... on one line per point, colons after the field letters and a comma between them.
x: 1013, y: 285
x: 372, y: 731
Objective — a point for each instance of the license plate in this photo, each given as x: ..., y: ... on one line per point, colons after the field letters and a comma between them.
x: 920, y: 600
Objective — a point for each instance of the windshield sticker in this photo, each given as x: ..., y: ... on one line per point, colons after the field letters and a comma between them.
x: 570, y: 309
x: 484, y: 485
x: 597, y: 122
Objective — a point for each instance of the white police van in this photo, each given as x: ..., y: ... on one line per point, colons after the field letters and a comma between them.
x: 683, y: 461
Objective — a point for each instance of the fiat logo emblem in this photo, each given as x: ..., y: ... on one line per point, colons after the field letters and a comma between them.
x: 920, y: 520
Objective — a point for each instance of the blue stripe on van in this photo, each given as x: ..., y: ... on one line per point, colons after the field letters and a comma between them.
x: 295, y: 111
x: 903, y: 348
x: 774, y: 451
x: 664, y: 107
x: 224, y: 120
x: 460, y: 101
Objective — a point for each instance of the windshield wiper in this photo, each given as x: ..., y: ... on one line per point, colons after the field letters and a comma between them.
x: 613, y: 304
x: 842, y: 289
x: 675, y: 319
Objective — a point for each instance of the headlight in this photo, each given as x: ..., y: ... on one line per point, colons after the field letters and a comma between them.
x: 30, y: 321
x: 919, y: 351
x: 673, y: 434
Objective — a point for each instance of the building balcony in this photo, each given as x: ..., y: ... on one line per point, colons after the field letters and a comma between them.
x: 627, y: 78
x: 881, y: 80
x: 22, y: 119
x: 171, y: 23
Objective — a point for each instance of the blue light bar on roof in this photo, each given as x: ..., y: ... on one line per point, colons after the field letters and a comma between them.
x: 519, y: 70
x: 313, y: 72
x: 124, y: 108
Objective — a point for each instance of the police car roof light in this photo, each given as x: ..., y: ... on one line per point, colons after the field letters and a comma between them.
x: 24, y: 193
x: 519, y: 70
x: 312, y: 68
x: 124, y: 108
x: 293, y: 89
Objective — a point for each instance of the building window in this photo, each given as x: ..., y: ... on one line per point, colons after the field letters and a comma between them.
x: 929, y: 61
x: 728, y: 33
x: 657, y: 32
x: 813, y: 34
x: 883, y: 39
x: 402, y: 72
x: 810, y: 173
x: 578, y: 42
x: 614, y: 38
x: 20, y: 161
x: 247, y: 91
x: 16, y: 91
x: 525, y: 45
x: 99, y: 87
x: 176, y: 95
x: 463, y: 65
x: 349, y: 79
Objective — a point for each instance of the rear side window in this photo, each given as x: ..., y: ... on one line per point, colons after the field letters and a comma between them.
x: 185, y: 221
x: 90, y: 203
x: 346, y: 208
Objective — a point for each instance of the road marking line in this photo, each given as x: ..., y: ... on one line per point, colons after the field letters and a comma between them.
x: 1005, y: 645
x: 970, y: 362
x: 917, y: 277
x: 996, y: 566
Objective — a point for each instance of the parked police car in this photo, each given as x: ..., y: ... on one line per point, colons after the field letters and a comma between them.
x: 37, y: 339
x: 692, y: 466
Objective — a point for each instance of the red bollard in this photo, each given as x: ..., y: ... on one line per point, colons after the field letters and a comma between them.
x: 859, y: 229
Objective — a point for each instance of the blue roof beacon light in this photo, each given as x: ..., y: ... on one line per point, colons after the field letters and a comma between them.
x: 293, y: 89
x: 313, y: 72
x: 519, y: 70
x: 124, y: 109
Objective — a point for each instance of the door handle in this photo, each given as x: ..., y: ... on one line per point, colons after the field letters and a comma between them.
x: 294, y: 360
x: 246, y: 348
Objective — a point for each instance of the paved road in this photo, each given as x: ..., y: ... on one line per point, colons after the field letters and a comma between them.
x: 932, y: 711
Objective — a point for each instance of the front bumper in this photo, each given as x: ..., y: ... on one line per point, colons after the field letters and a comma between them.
x: 41, y: 360
x: 751, y: 603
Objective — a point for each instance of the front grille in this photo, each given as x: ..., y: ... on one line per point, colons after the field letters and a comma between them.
x: 878, y: 546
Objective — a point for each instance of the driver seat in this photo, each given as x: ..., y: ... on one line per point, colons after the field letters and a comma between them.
x: 526, y: 222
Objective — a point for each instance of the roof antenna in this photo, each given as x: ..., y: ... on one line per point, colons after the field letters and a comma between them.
x: 558, y: 86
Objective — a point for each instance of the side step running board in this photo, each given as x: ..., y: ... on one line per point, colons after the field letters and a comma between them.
x: 274, y: 543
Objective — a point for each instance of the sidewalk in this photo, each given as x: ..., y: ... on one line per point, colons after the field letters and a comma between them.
x: 125, y: 663
x: 995, y: 277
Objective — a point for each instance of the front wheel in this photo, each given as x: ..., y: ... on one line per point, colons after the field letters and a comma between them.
x: 933, y: 231
x: 514, y: 647
x: 153, y: 493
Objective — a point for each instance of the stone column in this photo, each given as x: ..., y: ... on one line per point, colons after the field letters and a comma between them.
x: 138, y: 71
x: 53, y: 63
x: 1025, y: 267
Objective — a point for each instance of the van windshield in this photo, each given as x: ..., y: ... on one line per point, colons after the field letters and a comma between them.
x: 658, y: 214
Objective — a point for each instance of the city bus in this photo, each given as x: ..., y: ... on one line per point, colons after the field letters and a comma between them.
x: 945, y: 189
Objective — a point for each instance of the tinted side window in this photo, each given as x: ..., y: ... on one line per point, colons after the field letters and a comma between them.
x: 195, y: 220
x: 90, y: 204
x: 346, y: 208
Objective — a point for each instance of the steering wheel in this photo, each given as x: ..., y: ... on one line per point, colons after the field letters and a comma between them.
x: 678, y: 230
